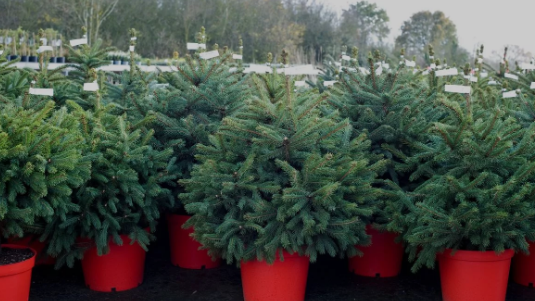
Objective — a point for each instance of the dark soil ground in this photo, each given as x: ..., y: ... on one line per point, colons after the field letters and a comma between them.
x: 10, y: 256
x: 328, y: 280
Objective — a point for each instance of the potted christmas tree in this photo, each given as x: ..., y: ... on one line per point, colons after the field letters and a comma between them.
x: 119, y: 203
x: 41, y: 164
x: 389, y: 106
x: 279, y: 184
x: 476, y: 207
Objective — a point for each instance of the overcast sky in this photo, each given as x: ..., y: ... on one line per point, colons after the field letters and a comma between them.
x: 493, y: 23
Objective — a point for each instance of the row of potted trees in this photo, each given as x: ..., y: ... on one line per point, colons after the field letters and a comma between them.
x: 265, y: 174
x: 24, y: 45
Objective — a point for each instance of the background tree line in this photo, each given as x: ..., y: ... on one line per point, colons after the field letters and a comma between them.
x: 308, y: 30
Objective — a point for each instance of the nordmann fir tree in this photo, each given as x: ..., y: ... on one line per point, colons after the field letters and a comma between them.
x: 280, y: 175
x: 391, y: 109
x: 41, y: 164
x: 124, y: 192
x: 479, y: 196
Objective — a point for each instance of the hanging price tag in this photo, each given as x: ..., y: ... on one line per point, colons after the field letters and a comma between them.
x: 510, y: 94
x: 433, y: 66
x: 346, y: 57
x: 525, y: 66
x: 300, y: 83
x: 209, y: 55
x: 471, y: 78
x: 447, y: 72
x: 133, y: 38
x: 43, y: 92
x: 511, y: 76
x: 379, y: 70
x: 532, y: 85
x: 193, y: 46
x: 457, y: 89
x: 237, y: 56
x: 479, y: 60
x: 410, y: 63
x: 91, y: 87
x: 77, y: 42
x: 132, y: 48
x: 44, y: 48
x: 1, y: 52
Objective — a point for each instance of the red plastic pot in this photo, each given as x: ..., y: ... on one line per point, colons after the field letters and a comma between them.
x: 381, y: 259
x: 31, y: 241
x: 185, y: 251
x: 15, y: 279
x: 119, y: 270
x: 282, y: 281
x: 524, y: 267
x: 474, y: 275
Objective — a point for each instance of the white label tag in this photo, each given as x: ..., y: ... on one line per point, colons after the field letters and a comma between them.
x: 471, y: 78
x: 532, y: 85
x: 300, y: 83
x: 492, y: 83
x: 509, y: 94
x: 511, y: 76
x: 193, y: 46
x: 232, y: 69
x: 525, y: 66
x: 484, y: 74
x: 479, y: 60
x: 425, y: 72
x: 337, y: 64
x: 44, y: 92
x: 364, y: 70
x: 132, y: 48
x: 202, y: 46
x: 209, y: 55
x: 133, y: 38
x: 77, y: 42
x: 91, y: 87
x: 457, y: 89
x: 237, y: 56
x: 44, y: 48
x: 447, y: 72
x: 329, y: 83
x: 386, y: 66
x: 346, y: 57
x: 433, y: 66
x: 431, y: 57
x: 1, y: 52
x: 410, y: 63
x: 379, y: 70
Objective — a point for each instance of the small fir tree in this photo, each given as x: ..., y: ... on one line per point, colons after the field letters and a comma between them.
x: 125, y: 190
x: 479, y: 196
x: 281, y: 175
x: 41, y: 164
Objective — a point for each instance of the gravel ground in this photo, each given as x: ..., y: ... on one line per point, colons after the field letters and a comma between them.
x: 328, y: 280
